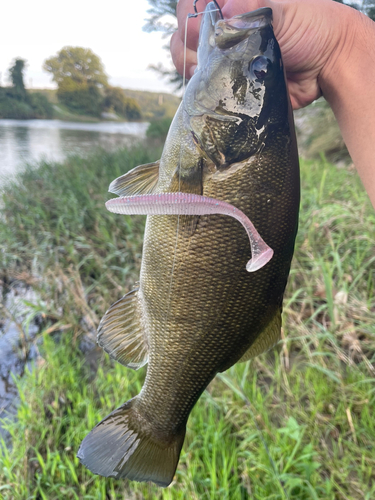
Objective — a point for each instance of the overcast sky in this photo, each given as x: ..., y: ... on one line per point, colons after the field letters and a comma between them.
x: 37, y: 29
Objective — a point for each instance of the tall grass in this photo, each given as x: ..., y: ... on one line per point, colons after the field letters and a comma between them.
x: 295, y: 423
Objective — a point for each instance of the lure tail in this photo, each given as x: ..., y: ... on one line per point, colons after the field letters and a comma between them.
x: 124, y: 445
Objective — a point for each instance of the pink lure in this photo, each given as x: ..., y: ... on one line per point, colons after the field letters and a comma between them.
x: 193, y: 204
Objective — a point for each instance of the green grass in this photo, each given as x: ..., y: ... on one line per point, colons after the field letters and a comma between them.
x: 310, y: 402
x: 61, y: 112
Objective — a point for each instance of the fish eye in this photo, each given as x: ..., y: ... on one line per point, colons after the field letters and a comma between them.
x: 260, y: 67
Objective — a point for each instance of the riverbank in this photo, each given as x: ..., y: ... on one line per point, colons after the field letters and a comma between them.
x: 313, y: 398
x: 154, y: 105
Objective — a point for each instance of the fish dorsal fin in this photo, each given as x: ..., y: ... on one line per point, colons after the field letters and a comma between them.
x: 139, y: 180
x: 121, y: 334
x: 267, y: 339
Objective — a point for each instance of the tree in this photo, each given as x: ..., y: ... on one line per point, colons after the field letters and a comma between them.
x: 17, y: 103
x: 163, y: 19
x: 115, y: 99
x: 16, y: 77
x: 80, y: 76
x: 160, y: 9
x: 81, y: 98
x: 77, y: 64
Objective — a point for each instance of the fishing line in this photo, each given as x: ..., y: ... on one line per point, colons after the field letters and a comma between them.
x: 244, y: 397
x: 197, y: 13
x: 179, y: 176
x: 189, y: 16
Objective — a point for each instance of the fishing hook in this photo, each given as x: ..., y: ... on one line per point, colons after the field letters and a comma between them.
x: 196, y: 12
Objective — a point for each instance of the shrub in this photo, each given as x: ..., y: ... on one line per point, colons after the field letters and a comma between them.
x: 159, y: 129
x: 116, y: 100
x: 12, y: 108
x: 41, y: 106
x: 82, y: 98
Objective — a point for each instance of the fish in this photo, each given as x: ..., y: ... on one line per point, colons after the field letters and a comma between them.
x: 197, y: 309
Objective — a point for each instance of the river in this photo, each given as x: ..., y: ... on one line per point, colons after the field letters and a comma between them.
x: 28, y: 141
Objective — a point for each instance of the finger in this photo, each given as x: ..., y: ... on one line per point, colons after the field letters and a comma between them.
x: 184, y: 8
x: 234, y: 7
x: 177, y: 51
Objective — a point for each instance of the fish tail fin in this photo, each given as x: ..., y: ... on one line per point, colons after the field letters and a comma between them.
x: 124, y: 445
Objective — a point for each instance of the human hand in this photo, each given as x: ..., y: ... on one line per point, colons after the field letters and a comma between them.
x: 313, y: 38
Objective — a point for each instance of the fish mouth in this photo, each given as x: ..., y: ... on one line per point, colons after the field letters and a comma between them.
x: 227, y: 33
x: 230, y: 32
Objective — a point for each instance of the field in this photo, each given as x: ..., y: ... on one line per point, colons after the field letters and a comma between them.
x: 295, y: 423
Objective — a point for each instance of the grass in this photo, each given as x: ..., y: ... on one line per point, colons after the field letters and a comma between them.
x: 309, y: 402
x: 61, y: 112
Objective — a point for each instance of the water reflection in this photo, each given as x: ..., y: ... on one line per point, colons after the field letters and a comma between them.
x: 28, y: 141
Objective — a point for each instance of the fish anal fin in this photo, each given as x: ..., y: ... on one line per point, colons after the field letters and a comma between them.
x: 124, y: 445
x: 267, y: 339
x: 121, y: 333
x: 139, y: 180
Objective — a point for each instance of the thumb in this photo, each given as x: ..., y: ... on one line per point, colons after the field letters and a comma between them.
x: 237, y: 7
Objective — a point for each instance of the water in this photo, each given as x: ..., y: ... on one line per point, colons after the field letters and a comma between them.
x: 27, y: 141
x: 16, y: 348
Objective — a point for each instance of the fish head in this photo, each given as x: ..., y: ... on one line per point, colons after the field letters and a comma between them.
x: 238, y: 93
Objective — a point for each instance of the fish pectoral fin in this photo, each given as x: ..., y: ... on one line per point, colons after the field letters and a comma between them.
x: 139, y: 180
x: 124, y: 445
x: 188, y: 183
x: 189, y: 180
x: 267, y: 339
x: 121, y: 333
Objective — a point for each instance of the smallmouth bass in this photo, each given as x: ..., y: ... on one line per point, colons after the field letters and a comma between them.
x: 196, y: 310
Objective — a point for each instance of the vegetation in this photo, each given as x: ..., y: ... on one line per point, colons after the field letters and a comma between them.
x: 16, y: 76
x: 155, y: 105
x: 78, y: 65
x: 116, y: 101
x: 162, y: 18
x: 311, y: 401
x: 16, y: 102
x: 83, y: 85
x: 157, y: 12
x: 318, y: 133
x: 83, y: 93
x: 79, y: 74
x: 159, y: 129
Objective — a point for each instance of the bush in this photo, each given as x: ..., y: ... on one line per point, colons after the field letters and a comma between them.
x: 35, y: 106
x: 41, y: 106
x: 12, y: 108
x: 159, y: 129
x: 82, y: 99
x: 116, y: 100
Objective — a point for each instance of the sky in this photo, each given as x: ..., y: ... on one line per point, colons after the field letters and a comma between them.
x: 37, y: 29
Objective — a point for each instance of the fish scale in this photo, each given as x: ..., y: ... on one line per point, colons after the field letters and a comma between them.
x: 197, y: 310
